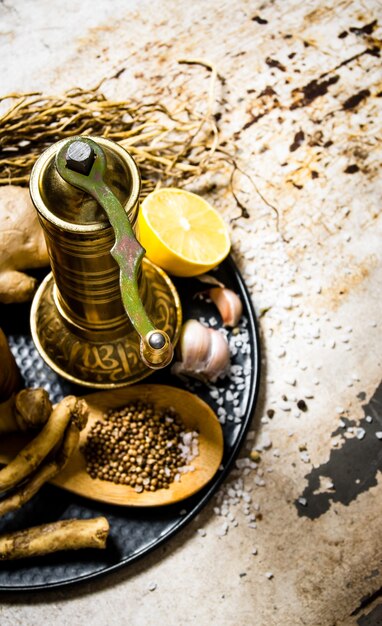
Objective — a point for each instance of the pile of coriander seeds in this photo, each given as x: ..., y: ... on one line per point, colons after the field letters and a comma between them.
x: 140, y: 446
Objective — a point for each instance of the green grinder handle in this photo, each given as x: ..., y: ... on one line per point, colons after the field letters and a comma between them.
x: 81, y: 162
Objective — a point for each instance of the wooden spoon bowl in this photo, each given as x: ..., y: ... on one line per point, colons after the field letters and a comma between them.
x: 194, y: 413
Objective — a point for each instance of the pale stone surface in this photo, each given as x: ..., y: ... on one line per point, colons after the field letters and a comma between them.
x: 316, y: 280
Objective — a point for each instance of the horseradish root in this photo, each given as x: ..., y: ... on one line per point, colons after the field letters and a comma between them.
x: 22, y: 245
x: 28, y: 409
x: 72, y: 534
x: 32, y: 455
x: 44, y: 473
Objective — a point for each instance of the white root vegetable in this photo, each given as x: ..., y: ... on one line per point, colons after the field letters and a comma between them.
x: 44, y: 473
x: 39, y: 461
x: 32, y: 455
x: 71, y: 534
x: 22, y: 244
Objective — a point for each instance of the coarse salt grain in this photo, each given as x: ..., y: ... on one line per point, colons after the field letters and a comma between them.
x: 264, y: 442
x: 360, y: 433
x: 307, y: 393
x: 223, y: 530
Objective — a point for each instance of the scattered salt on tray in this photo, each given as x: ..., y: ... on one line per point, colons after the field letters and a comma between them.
x: 235, y: 499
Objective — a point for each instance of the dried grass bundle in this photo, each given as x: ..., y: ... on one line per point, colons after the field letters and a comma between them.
x: 171, y: 147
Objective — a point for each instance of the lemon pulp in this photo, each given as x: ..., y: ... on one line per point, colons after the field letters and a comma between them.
x: 182, y: 232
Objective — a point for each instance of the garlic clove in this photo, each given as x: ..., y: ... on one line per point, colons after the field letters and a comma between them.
x: 228, y: 304
x: 203, y: 352
x: 193, y: 344
x: 219, y: 357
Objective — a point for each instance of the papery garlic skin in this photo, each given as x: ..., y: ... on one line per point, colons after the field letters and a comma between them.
x: 203, y: 352
x: 219, y: 357
x: 228, y: 304
x: 194, y: 343
x: 210, y: 280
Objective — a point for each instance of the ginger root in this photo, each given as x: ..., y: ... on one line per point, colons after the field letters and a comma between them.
x: 28, y: 409
x: 65, y: 535
x: 32, y: 455
x: 22, y: 245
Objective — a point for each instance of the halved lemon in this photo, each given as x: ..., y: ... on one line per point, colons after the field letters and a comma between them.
x: 182, y: 232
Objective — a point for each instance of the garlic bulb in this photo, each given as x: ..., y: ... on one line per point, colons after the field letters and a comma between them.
x: 228, y: 303
x: 203, y: 352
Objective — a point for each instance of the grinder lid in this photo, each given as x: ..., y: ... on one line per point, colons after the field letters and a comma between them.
x: 73, y: 209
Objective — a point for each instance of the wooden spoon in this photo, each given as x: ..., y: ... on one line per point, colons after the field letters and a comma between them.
x: 194, y: 413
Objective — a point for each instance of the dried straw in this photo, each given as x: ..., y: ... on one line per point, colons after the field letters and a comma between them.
x: 171, y: 147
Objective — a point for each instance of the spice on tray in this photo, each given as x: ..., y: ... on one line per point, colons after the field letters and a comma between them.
x: 140, y: 446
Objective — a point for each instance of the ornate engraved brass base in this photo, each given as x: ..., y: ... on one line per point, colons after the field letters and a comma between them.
x: 109, y: 363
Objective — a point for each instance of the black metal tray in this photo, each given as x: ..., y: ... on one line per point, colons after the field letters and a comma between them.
x: 133, y: 532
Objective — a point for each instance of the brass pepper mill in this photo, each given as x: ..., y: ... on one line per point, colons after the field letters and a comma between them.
x: 106, y: 316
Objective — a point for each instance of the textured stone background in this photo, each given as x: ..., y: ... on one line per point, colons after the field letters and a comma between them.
x: 300, y: 101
